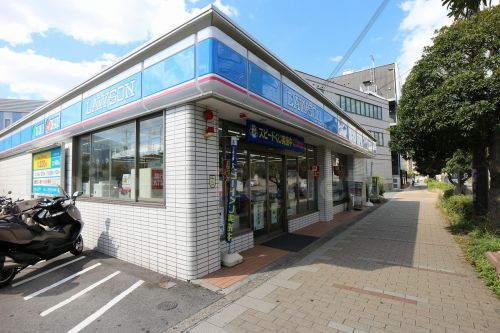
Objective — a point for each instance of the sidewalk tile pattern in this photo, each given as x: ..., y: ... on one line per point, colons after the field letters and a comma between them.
x: 403, y: 289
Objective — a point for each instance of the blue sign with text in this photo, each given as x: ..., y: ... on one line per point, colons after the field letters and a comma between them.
x: 270, y: 136
x: 119, y: 94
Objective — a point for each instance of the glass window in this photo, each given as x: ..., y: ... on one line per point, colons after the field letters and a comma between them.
x: 339, y: 176
x: 337, y: 99
x: 380, y: 112
x: 243, y: 183
x: 83, y: 167
x: 7, y: 122
x: 291, y: 180
x: 311, y: 182
x: 303, y: 183
x: 112, y: 161
x: 151, y: 158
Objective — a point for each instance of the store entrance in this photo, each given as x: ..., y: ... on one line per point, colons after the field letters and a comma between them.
x: 267, y: 189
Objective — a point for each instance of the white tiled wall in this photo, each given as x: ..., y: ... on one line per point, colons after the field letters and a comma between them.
x: 15, y: 176
x: 239, y: 243
x: 303, y: 221
x: 339, y: 208
x: 325, y: 195
x: 182, y: 239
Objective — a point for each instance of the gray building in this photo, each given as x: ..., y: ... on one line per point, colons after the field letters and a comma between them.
x: 11, y: 110
x: 382, y: 81
x: 369, y: 110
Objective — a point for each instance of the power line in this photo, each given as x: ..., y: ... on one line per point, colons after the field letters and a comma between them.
x: 360, y: 37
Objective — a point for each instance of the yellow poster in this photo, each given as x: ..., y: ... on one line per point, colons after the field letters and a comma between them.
x: 42, y: 160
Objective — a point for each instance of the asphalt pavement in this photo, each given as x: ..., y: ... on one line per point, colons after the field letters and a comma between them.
x: 96, y: 293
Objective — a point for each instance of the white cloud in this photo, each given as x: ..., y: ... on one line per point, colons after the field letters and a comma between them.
x: 423, y: 17
x: 30, y: 75
x: 96, y: 21
x: 226, y: 9
x: 336, y: 58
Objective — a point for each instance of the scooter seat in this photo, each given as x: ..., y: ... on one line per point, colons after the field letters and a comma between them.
x: 12, y: 230
x: 35, y: 228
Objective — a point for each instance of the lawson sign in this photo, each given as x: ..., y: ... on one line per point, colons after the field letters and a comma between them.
x: 214, y: 56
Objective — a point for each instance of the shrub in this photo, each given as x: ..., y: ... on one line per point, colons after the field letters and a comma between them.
x: 481, y: 241
x: 460, y: 205
x: 380, y: 185
x: 447, y: 189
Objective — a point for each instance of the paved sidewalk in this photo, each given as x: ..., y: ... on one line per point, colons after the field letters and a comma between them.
x: 396, y: 270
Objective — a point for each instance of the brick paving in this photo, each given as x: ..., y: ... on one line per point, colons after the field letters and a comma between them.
x: 396, y: 270
x: 260, y: 256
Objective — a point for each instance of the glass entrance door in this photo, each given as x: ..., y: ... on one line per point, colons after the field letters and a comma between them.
x: 266, y: 192
x: 276, y: 191
x: 258, y: 192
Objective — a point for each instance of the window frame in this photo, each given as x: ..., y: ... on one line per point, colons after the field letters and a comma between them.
x: 136, y: 201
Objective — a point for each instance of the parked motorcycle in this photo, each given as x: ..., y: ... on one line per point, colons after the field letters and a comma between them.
x: 55, y: 228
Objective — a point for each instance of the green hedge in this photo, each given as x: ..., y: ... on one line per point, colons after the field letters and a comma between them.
x: 446, y: 188
x: 459, y: 205
x: 477, y: 231
x: 480, y: 242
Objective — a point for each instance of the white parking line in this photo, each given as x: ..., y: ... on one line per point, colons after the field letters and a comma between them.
x: 36, y: 293
x: 46, y: 272
x: 75, y: 296
x: 105, y: 308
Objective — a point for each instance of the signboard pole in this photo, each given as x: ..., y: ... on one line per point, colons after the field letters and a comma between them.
x: 231, y: 202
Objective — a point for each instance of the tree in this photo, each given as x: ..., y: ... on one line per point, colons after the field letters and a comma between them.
x: 464, y: 8
x: 451, y: 101
x: 459, y: 165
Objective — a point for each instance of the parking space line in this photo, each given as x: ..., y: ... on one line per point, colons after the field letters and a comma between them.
x: 61, y: 282
x: 105, y: 308
x: 75, y: 296
x: 46, y: 272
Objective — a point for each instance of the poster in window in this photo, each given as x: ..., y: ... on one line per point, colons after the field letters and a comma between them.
x: 157, y: 179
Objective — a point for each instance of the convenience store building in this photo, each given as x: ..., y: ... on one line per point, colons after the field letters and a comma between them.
x: 149, y: 142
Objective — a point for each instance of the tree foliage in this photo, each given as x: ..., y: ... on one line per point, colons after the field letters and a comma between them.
x: 464, y: 8
x: 451, y: 97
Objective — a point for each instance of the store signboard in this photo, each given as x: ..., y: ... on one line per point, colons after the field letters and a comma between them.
x: 270, y: 136
x: 47, y: 172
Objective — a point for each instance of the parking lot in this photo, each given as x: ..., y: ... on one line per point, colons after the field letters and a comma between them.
x: 96, y: 293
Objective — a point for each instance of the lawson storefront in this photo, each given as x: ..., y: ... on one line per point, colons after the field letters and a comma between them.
x: 199, y: 136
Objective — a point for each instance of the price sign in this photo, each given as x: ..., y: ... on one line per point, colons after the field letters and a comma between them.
x: 47, y: 172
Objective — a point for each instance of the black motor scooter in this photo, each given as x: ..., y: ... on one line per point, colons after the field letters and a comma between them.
x: 55, y: 229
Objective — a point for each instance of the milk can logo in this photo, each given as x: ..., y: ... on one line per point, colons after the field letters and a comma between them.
x: 254, y: 131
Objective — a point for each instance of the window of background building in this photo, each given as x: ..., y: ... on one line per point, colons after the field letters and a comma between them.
x: 379, y: 137
x: 6, y: 122
x: 106, y: 163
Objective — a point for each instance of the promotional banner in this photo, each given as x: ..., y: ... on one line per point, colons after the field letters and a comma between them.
x: 47, y: 172
x: 270, y: 136
x: 231, y: 198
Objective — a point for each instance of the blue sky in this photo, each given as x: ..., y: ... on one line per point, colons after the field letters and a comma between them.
x: 47, y: 47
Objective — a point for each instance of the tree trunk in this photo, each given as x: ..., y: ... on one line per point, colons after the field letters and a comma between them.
x: 479, y: 181
x: 494, y: 167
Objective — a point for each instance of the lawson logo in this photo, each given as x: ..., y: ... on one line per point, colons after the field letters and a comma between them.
x: 119, y: 94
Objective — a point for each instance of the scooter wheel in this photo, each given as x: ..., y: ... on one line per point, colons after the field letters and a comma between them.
x: 6, y: 276
x: 77, y: 246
